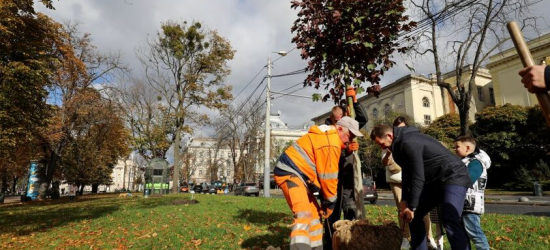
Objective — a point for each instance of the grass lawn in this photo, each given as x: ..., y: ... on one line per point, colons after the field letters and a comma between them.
x: 217, y: 222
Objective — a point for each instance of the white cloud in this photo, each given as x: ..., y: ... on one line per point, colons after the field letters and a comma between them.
x: 255, y: 29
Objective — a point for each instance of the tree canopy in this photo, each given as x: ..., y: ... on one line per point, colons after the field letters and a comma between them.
x: 348, y: 42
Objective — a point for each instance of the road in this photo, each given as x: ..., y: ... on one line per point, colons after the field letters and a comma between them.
x: 499, y: 208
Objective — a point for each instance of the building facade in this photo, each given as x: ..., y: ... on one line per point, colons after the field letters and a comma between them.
x: 504, y: 68
x: 421, y: 98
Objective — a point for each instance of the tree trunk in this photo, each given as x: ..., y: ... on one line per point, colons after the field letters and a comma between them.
x: 4, y: 183
x: 176, y: 174
x: 463, y: 114
x: 15, y: 179
x: 95, y: 188
x: 48, y: 174
x: 124, y: 175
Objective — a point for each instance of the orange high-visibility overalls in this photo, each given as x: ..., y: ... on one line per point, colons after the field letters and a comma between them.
x: 309, y: 165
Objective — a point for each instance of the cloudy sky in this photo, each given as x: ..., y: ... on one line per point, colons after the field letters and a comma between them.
x: 255, y: 28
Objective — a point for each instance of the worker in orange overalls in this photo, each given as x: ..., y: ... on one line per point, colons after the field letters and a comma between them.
x: 310, y: 165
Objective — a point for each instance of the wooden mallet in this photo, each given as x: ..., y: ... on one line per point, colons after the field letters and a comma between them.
x: 527, y: 60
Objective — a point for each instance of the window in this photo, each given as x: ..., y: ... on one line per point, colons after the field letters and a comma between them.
x: 427, y: 119
x: 387, y: 109
x: 375, y: 113
x: 200, y: 172
x: 157, y: 171
x: 425, y: 102
x: 492, y: 95
x: 480, y: 93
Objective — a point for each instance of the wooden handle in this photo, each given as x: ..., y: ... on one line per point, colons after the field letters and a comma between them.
x: 527, y: 60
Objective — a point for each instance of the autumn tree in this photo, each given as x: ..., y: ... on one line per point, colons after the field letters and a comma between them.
x: 463, y: 34
x: 28, y: 57
x: 186, y: 64
x: 98, y: 140
x: 81, y: 67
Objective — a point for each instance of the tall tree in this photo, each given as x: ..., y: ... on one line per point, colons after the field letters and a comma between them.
x: 99, y: 140
x: 187, y: 64
x: 81, y: 67
x: 463, y: 34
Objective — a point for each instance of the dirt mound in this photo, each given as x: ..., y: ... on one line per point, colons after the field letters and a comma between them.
x: 361, y: 235
x: 182, y: 202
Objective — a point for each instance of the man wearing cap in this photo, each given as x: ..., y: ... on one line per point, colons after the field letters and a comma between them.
x: 310, y: 165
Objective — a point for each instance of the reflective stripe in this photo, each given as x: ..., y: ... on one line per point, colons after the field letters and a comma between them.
x: 332, y: 199
x: 289, y: 169
x: 315, y: 222
x: 304, y: 156
x: 318, y: 245
x: 299, y: 215
x: 316, y: 232
x: 299, y: 239
x: 328, y: 176
x: 300, y: 226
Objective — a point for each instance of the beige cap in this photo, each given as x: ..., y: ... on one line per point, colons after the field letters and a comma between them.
x: 351, y: 124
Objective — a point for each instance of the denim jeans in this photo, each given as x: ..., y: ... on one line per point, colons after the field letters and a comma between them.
x: 451, y: 198
x: 472, y: 225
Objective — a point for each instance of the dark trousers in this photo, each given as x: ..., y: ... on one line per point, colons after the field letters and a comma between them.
x: 344, y: 203
x: 451, y: 198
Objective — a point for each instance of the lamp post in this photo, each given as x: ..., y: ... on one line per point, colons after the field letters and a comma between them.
x: 267, y: 187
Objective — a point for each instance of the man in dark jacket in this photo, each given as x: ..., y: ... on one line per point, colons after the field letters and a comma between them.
x: 346, y: 197
x: 432, y: 175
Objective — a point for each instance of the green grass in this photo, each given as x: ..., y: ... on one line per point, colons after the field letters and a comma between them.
x: 217, y: 222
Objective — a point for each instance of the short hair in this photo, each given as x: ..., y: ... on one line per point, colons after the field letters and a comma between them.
x: 379, y: 131
x: 400, y: 120
x: 338, y: 107
x: 466, y: 138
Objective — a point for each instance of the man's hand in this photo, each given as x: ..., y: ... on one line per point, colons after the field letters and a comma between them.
x: 407, y: 215
x: 324, y: 214
x: 353, y: 146
x: 350, y: 92
x: 533, y: 78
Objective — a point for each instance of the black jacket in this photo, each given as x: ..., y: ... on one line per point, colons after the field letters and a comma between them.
x: 425, y: 162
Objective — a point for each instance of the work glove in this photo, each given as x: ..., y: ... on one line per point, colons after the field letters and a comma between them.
x: 353, y: 146
x: 350, y: 92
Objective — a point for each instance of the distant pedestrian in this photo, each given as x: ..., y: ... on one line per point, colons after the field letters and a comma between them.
x: 72, y: 192
x: 63, y: 191
x: 478, y: 162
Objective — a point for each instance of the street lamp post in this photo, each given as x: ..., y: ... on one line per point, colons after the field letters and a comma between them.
x: 267, y: 186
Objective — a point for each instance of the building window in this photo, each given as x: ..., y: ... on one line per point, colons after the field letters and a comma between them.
x: 492, y: 95
x: 480, y: 93
x: 375, y: 113
x: 427, y: 119
x: 425, y: 102
x: 387, y: 109
x: 200, y: 172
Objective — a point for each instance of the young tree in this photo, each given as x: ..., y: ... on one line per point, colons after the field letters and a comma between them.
x: 187, y: 64
x: 348, y: 42
x: 463, y: 34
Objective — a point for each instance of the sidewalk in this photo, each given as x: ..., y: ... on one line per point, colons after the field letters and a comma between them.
x: 491, y: 199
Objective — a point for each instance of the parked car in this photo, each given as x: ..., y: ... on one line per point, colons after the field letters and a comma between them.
x: 369, y: 190
x: 271, y: 183
x: 184, y: 188
x: 218, y: 185
x: 247, y: 189
x: 210, y: 190
x: 197, y: 188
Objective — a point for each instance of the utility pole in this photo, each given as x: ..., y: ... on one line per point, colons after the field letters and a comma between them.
x: 267, y: 184
x: 267, y: 187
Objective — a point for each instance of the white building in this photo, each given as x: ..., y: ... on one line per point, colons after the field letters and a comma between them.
x: 421, y: 98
